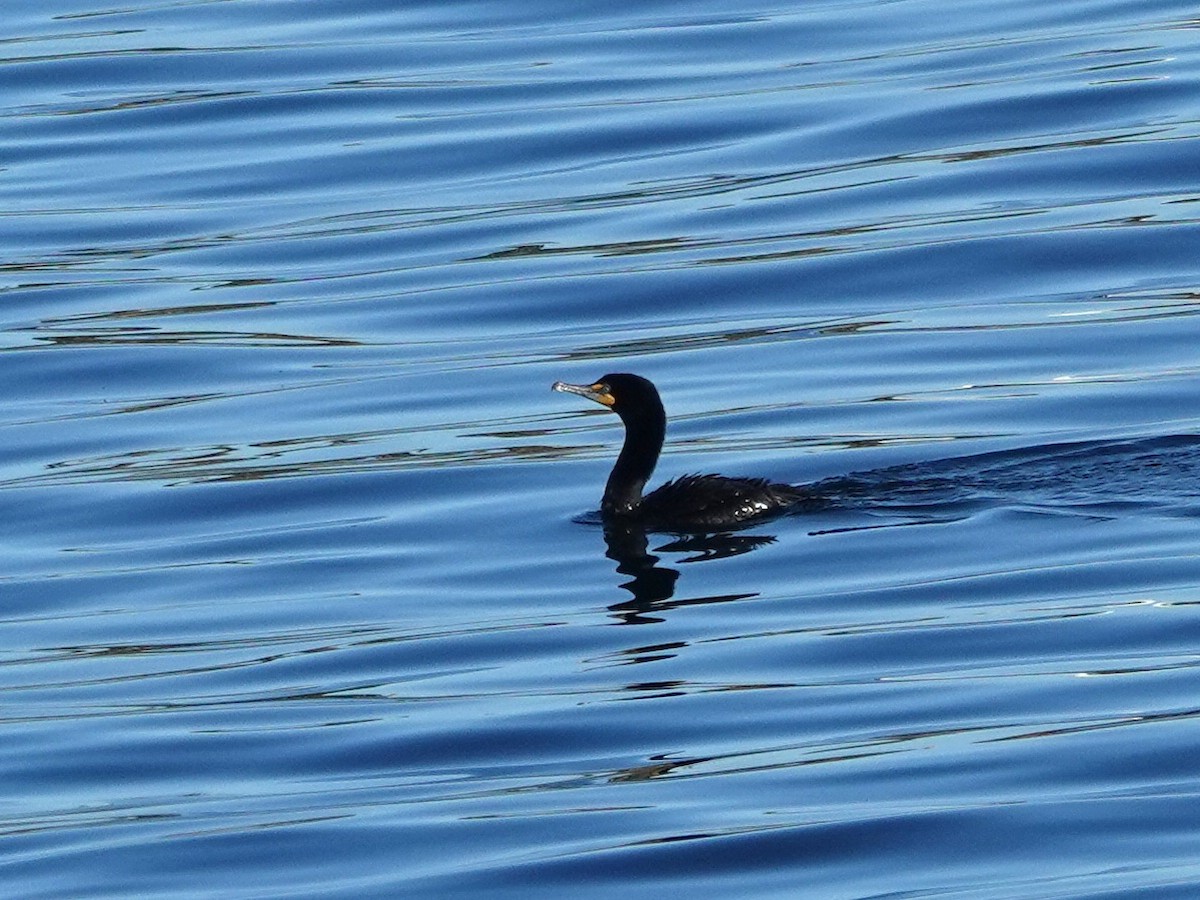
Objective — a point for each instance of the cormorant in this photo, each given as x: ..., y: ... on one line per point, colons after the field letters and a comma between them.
x: 692, y: 503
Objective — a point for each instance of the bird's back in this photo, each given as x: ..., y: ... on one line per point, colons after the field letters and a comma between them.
x: 715, y: 502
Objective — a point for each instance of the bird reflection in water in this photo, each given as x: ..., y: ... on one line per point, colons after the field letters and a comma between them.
x: 653, y: 585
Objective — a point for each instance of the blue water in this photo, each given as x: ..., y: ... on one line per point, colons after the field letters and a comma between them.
x: 300, y: 595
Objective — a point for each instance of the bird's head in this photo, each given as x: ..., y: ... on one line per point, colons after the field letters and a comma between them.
x: 625, y: 394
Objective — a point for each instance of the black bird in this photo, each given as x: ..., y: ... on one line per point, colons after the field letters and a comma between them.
x: 692, y: 503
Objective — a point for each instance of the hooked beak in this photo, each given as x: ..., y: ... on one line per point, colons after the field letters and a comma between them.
x: 598, y: 392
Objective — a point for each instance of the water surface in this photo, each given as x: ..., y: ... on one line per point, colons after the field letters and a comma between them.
x: 299, y: 590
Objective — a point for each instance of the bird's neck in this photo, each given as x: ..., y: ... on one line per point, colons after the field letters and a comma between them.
x: 643, y: 441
